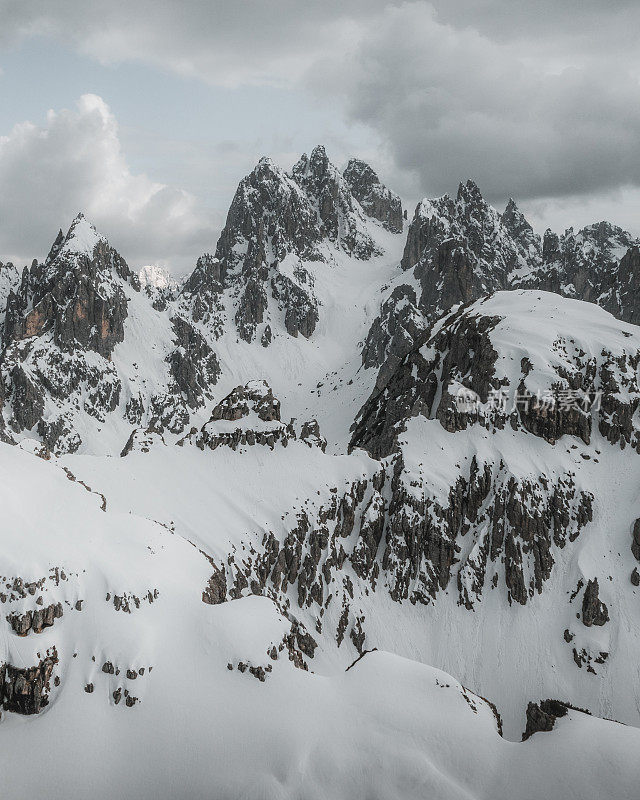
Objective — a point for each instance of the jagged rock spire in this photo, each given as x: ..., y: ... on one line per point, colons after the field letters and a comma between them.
x: 306, y: 215
x: 376, y: 200
x: 76, y: 293
x: 340, y: 216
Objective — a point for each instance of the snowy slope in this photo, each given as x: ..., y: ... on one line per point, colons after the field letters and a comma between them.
x: 174, y: 720
x: 341, y: 439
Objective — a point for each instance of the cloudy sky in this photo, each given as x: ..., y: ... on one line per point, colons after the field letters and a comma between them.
x: 145, y: 114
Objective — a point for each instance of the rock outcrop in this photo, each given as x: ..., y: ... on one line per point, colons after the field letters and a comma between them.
x: 250, y: 415
x: 74, y: 294
x: 594, y: 611
x: 25, y: 690
x: 458, y: 250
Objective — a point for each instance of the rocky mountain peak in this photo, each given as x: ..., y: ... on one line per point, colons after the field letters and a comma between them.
x: 158, y: 284
x: 153, y: 275
x: 340, y: 215
x: 522, y: 233
x: 603, y: 237
x: 376, y: 200
x: 81, y: 238
x: 550, y: 245
x: 279, y: 224
x: 514, y: 220
x: 469, y: 192
x: 55, y: 247
x: 269, y: 218
x: 315, y: 167
x: 459, y: 249
x: 466, y: 232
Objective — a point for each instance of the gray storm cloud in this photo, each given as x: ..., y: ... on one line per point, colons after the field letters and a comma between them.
x: 451, y: 104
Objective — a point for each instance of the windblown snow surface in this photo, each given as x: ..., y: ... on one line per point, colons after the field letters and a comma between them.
x: 388, y: 727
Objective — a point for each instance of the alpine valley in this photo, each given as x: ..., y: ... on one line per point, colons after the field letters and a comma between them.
x: 266, y: 532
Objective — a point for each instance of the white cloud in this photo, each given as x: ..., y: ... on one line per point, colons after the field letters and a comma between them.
x: 74, y: 162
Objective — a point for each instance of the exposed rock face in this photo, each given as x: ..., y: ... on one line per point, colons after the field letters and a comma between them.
x: 376, y: 200
x: 461, y: 249
x: 64, y: 310
x: 27, y: 397
x: 394, y: 332
x: 277, y: 226
x: 310, y: 433
x: 518, y: 523
x: 63, y: 323
x: 250, y: 415
x: 584, y: 265
x: 341, y: 219
x: 142, y: 441
x: 26, y: 690
x: 270, y: 220
x: 458, y: 249
x: 454, y: 374
x: 310, y: 558
x: 255, y: 397
x: 9, y: 282
x: 622, y: 297
x: 577, y: 385
x: 216, y: 589
x: 202, y: 294
x: 194, y: 365
x: 543, y: 716
x: 159, y: 286
x: 594, y: 611
x: 36, y: 620
x: 635, y: 543
x: 73, y: 295
x: 522, y: 234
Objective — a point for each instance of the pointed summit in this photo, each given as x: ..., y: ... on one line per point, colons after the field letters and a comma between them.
x: 81, y: 238
x: 77, y: 294
x: 341, y: 217
x: 513, y: 219
x: 376, y: 200
x: 470, y: 193
x: 55, y: 247
x: 270, y: 219
x: 522, y: 233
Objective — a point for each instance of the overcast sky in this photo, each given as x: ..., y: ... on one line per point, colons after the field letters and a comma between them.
x: 145, y: 114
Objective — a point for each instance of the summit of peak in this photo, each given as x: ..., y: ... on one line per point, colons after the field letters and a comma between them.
x: 511, y: 207
x: 356, y: 166
x: 81, y: 237
x: 155, y: 276
x: 319, y: 152
x: 266, y: 165
x: 317, y: 164
x: 469, y: 192
x: 513, y: 218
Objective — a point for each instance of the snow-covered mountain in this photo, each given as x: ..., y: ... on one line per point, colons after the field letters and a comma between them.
x: 255, y: 521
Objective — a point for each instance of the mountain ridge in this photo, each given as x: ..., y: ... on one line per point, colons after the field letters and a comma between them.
x: 347, y: 458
